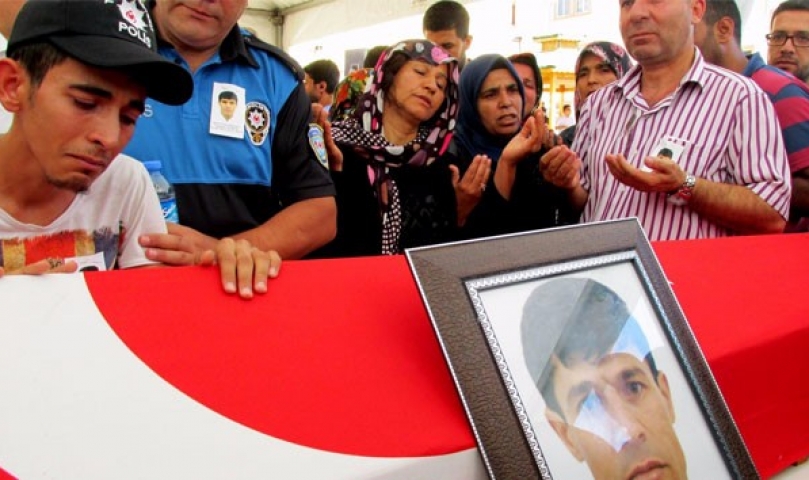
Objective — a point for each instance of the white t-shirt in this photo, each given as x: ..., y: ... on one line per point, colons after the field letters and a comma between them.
x: 101, y: 226
x: 563, y: 122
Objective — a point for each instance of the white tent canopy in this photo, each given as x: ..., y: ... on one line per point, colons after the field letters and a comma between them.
x: 312, y: 29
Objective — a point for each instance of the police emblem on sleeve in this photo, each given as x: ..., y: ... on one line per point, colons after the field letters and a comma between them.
x: 257, y: 122
x: 318, y: 145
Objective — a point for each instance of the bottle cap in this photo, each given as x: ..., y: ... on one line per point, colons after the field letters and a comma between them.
x: 153, y: 166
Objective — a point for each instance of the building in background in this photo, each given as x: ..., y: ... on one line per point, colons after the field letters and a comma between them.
x: 553, y: 30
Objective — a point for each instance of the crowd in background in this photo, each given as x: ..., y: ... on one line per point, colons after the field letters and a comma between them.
x: 644, y: 152
x: 677, y: 127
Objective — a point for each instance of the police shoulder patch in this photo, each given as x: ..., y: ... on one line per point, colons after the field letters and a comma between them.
x: 318, y: 144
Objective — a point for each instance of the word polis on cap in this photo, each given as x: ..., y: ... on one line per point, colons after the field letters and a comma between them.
x: 134, y: 13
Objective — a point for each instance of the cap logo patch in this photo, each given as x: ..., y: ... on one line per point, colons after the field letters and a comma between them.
x: 257, y: 119
x: 134, y: 14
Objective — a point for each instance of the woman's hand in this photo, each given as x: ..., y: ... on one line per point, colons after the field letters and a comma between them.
x: 561, y: 167
x: 470, y: 188
x: 528, y: 140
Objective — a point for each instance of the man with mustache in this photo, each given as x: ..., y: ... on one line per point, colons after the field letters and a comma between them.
x: 605, y: 397
x: 732, y: 176
x: 76, y: 80
x: 788, y: 39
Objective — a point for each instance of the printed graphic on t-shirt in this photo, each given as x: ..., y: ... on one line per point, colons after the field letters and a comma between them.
x: 16, y: 253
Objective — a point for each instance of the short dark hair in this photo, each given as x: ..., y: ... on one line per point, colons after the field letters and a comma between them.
x: 389, y: 70
x: 717, y: 9
x: 572, y: 319
x: 447, y: 15
x: 37, y: 59
x: 372, y: 56
x: 666, y: 152
x: 324, y: 71
x: 227, y: 95
x: 788, y: 6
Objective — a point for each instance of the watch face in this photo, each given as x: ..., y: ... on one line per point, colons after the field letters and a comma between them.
x: 683, y: 194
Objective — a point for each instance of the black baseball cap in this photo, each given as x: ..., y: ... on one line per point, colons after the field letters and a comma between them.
x: 115, y: 34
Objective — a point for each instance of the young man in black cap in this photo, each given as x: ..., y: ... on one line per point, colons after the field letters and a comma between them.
x: 76, y: 79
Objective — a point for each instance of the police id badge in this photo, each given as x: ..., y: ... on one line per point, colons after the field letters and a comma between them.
x: 227, y: 110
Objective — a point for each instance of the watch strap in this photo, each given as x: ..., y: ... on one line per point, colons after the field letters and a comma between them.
x: 682, y: 195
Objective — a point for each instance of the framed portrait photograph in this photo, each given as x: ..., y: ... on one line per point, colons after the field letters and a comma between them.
x: 573, y: 359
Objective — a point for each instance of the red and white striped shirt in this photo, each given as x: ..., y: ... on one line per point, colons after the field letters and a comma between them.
x: 730, y: 134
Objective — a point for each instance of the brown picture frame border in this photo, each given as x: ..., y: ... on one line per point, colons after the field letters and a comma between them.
x: 442, y: 273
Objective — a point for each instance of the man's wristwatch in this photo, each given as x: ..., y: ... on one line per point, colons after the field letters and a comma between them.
x: 682, y: 195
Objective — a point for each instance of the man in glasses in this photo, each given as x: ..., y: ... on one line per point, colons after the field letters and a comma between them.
x: 719, y: 37
x: 788, y: 39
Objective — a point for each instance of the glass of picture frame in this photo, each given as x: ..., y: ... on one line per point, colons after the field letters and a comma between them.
x: 573, y: 358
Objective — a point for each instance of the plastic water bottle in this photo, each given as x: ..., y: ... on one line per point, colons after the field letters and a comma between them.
x: 165, y: 192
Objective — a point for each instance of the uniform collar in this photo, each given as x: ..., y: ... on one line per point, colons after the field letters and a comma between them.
x: 234, y: 48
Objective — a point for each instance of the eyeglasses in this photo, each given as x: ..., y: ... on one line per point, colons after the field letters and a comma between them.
x: 776, y: 39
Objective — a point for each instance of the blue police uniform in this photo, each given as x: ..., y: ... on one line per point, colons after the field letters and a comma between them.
x: 226, y: 185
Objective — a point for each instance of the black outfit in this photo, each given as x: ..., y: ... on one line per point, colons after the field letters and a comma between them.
x: 568, y: 135
x: 427, y: 206
x: 534, y: 203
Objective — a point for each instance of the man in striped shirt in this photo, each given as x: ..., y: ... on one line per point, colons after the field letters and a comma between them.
x: 729, y: 174
x: 719, y: 38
